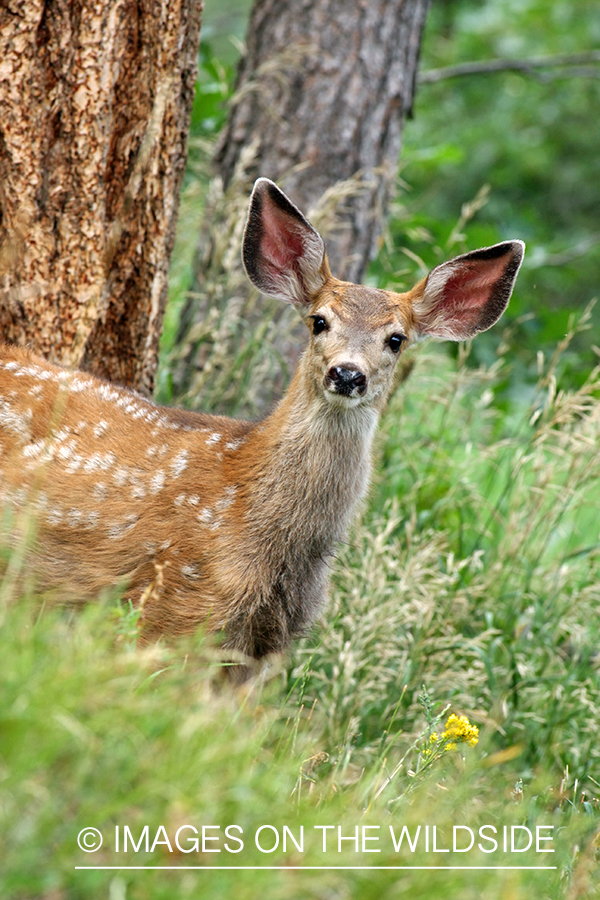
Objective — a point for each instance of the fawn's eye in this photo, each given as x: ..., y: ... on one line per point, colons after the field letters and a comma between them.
x: 319, y: 324
x: 395, y: 341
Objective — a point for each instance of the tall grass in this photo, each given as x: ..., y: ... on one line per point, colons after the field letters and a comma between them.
x: 477, y: 558
x: 470, y: 585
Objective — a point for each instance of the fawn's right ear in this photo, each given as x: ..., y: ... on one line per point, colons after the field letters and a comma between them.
x: 282, y: 253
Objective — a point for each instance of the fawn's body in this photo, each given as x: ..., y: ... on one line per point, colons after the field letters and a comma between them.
x: 231, y: 522
x: 139, y: 487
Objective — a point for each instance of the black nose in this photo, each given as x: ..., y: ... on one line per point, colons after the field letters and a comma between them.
x: 346, y: 381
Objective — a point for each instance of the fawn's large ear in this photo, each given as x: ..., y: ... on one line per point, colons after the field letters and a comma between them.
x: 467, y: 295
x: 282, y: 253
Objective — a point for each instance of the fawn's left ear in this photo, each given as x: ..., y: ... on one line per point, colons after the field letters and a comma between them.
x: 284, y: 256
x: 468, y: 294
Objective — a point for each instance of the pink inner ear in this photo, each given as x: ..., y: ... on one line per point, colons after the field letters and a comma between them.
x: 463, y: 297
x: 281, y: 244
x: 468, y: 289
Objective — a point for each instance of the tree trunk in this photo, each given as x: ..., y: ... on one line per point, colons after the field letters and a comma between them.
x: 95, y: 102
x: 321, y: 97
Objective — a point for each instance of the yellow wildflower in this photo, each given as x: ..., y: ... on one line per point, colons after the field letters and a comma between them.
x: 459, y: 730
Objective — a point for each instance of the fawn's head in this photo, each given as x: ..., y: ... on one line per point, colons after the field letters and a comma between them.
x: 357, y: 332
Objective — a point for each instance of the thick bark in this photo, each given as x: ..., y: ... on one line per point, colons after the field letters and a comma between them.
x: 322, y: 94
x: 95, y: 101
x: 324, y: 89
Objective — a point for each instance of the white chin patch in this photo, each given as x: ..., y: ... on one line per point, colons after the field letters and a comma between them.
x: 341, y: 400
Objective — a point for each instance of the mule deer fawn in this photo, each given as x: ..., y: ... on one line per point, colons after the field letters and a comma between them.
x: 237, y: 518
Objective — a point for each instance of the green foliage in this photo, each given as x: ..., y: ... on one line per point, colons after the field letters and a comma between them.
x: 525, y: 145
x: 470, y: 586
x: 480, y: 552
x: 485, y: 158
x: 475, y: 572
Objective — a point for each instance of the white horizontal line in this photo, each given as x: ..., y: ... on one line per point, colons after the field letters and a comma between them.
x: 318, y: 868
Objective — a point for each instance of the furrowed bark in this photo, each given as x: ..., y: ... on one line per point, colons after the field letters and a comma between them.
x: 95, y: 101
x: 321, y: 97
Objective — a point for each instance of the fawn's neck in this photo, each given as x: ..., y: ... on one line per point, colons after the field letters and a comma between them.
x: 313, y: 467
x: 302, y: 472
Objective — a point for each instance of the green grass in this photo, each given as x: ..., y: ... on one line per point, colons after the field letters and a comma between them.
x: 474, y: 571
x: 471, y: 584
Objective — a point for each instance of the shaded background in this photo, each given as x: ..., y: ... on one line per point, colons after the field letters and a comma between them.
x: 486, y: 157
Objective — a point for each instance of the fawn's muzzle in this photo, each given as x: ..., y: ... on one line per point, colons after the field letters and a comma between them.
x: 348, y: 382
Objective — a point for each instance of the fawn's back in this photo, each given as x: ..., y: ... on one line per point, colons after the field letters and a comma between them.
x: 206, y: 519
x: 114, y: 480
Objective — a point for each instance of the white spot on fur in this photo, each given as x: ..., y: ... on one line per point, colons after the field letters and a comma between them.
x: 120, y: 476
x: 105, y: 392
x: 194, y: 500
x: 33, y: 371
x: 228, y: 498
x: 179, y: 499
x: 74, y: 517
x: 206, y: 516
x: 190, y: 572
x: 100, y: 491
x: 66, y: 451
x: 101, y: 428
x: 54, y: 516
x: 45, y: 450
x: 99, y: 462
x: 157, y: 482
x: 213, y: 439
x: 34, y: 450
x: 18, y: 423
x: 138, y: 492
x: 236, y: 444
x: 77, y: 384
x: 76, y: 462
x: 40, y: 503
x: 179, y: 463
x: 118, y: 530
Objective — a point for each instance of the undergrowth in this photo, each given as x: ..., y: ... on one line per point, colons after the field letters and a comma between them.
x: 468, y: 589
x: 453, y: 681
